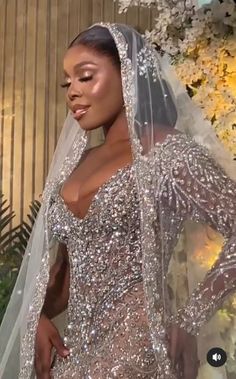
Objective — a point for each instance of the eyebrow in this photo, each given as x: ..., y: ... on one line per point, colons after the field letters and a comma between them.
x: 81, y: 64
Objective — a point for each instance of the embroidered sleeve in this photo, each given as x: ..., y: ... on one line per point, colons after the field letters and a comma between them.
x: 203, y: 192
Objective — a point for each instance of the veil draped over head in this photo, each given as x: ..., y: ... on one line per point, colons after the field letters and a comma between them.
x: 156, y: 104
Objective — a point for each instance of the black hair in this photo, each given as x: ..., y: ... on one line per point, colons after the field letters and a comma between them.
x: 98, y: 38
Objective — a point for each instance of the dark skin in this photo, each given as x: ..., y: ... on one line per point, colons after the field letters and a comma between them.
x: 90, y: 84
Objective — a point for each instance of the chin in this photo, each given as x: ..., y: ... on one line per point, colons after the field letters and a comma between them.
x: 86, y: 126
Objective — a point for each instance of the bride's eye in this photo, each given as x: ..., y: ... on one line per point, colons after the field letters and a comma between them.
x: 65, y: 85
x: 86, y: 78
x: 83, y: 79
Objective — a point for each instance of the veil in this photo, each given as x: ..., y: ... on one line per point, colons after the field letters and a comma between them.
x: 156, y: 104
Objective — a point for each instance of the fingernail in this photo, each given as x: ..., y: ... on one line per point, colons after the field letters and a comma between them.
x: 66, y: 352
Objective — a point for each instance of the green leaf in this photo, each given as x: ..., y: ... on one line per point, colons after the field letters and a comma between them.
x: 13, y: 243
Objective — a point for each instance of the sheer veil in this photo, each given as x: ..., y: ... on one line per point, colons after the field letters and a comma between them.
x: 156, y: 104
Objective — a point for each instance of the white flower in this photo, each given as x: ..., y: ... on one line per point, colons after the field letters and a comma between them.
x: 180, y: 24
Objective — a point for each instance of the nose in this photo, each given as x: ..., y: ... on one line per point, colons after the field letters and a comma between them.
x: 74, y: 91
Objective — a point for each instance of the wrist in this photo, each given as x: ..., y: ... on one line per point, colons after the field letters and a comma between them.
x: 194, y: 314
x: 54, y: 310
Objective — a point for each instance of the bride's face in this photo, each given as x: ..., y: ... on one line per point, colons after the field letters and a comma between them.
x: 93, y: 87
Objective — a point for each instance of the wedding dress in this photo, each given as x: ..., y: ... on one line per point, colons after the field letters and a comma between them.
x: 107, y: 328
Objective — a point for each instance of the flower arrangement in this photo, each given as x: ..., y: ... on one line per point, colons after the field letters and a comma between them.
x: 201, y: 40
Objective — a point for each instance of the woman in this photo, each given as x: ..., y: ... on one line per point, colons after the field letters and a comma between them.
x: 117, y: 210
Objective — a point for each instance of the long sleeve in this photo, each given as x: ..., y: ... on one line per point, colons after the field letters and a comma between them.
x: 201, y: 191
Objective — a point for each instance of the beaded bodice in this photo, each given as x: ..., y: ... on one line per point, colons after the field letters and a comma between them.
x: 105, y: 268
x: 104, y: 247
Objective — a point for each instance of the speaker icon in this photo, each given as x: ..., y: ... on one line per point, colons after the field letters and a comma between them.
x: 216, y: 357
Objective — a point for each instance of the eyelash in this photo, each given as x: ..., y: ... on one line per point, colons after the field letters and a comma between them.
x: 85, y: 79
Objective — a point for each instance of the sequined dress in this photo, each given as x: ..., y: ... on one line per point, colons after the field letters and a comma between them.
x: 108, y: 331
x: 107, y: 328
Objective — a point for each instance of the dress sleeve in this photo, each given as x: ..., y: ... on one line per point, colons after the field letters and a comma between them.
x: 202, y: 192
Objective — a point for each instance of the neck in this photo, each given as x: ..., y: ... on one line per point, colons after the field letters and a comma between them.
x: 118, y: 131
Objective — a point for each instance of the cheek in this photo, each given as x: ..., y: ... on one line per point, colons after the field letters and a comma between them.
x: 99, y: 90
x: 107, y: 92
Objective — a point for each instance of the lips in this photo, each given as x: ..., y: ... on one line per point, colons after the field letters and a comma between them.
x: 79, y: 111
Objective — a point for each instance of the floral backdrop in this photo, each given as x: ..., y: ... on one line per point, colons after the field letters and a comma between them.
x: 200, y: 38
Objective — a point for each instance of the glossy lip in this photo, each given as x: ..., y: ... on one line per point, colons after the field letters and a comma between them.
x: 79, y: 110
x: 75, y: 107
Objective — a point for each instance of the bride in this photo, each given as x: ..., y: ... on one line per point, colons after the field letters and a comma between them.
x: 114, y: 207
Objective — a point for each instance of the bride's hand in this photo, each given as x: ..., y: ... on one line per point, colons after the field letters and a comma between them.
x: 183, y: 352
x: 47, y: 337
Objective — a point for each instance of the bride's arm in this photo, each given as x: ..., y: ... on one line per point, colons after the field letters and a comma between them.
x: 57, y: 294
x: 202, y: 191
x: 56, y: 299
